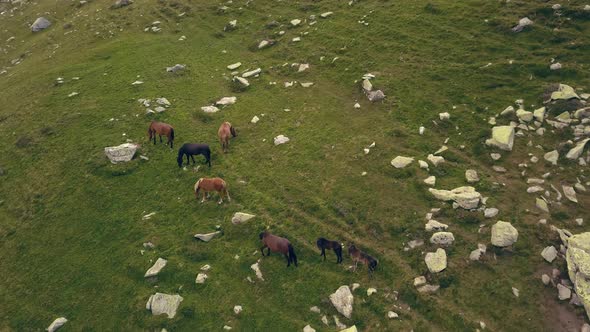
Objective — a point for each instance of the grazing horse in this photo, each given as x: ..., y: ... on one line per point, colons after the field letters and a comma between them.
x: 278, y: 244
x: 161, y: 128
x: 211, y: 184
x: 359, y: 256
x: 224, y: 132
x: 324, y: 244
x: 190, y: 150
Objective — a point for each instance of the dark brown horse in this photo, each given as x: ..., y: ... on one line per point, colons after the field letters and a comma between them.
x: 206, y: 185
x: 225, y: 131
x: 161, y: 128
x: 278, y: 244
x: 190, y: 150
x: 359, y: 256
x: 324, y: 244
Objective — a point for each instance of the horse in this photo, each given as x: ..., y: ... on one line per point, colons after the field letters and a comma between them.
x: 211, y: 184
x: 161, y: 128
x: 225, y: 130
x: 359, y: 256
x: 278, y: 244
x: 190, y: 150
x: 324, y: 244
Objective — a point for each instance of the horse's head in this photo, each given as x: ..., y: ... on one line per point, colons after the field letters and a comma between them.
x: 262, y: 235
x: 179, y: 160
x: 233, y: 131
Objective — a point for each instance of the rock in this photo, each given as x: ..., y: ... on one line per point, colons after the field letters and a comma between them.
x: 444, y: 116
x: 555, y: 66
x: 392, y: 315
x: 357, y: 105
x: 524, y: 115
x: 255, y: 119
x: 401, y: 162
x: 436, y: 261
x: 367, y: 86
x: 120, y: 153
x: 156, y: 268
x: 466, y: 196
x: 350, y: 329
x: 431, y: 180
x: 552, y: 157
x: 160, y: 109
x: 265, y: 43
x: 507, y: 111
x: 549, y: 253
x: 515, y: 291
x: 504, y: 234
x: 40, y: 23
x: 343, y: 300
x: 442, y: 238
x: 210, y: 109
x: 375, y: 96
x: 414, y: 244
x: 522, y: 23
x: 308, y: 328
x: 419, y: 281
x: 355, y: 286
x: 315, y: 309
x: 207, y: 237
x: 471, y: 176
x: 545, y: 279
x: 563, y: 293
x: 234, y: 66
x: 121, y: 3
x: 175, y: 68
x: 476, y: 254
x: 56, y: 324
x: 325, y: 320
x: 435, y: 160
x: 242, y: 81
x: 569, y: 193
x: 256, y: 269
x: 160, y: 303
x: 326, y: 14
x: 371, y: 291
x: 499, y: 169
x: 578, y: 265
x: 576, y: 152
x: 281, y: 139
x: 542, y: 205
x: 241, y: 217
x: 433, y: 225
x: 428, y: 288
x: 564, y: 92
x: 539, y: 114
x: 495, y: 156
x: 201, y: 277
x: 237, y: 309
x: 586, y: 326
x: 502, y: 137
x: 303, y: 67
x: 226, y: 101
x: 423, y: 164
x: 295, y: 22
x: 490, y: 212
x: 251, y: 73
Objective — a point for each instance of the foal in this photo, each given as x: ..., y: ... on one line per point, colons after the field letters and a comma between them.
x: 190, y: 150
x: 211, y: 184
x: 224, y: 132
x: 359, y: 256
x: 278, y: 244
x: 324, y: 244
x: 161, y: 128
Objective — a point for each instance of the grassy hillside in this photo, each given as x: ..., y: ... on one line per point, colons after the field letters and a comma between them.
x: 71, y: 227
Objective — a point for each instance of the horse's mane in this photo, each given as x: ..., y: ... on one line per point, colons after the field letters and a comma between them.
x: 197, y: 184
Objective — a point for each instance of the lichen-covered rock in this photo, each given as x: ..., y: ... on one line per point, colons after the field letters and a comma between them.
x: 401, y: 162
x: 564, y: 92
x: 241, y: 217
x: 442, y: 238
x: 578, y: 265
x: 160, y: 303
x: 436, y: 261
x: 502, y: 137
x: 504, y: 234
x: 343, y: 300
x: 120, y: 153
x: 467, y: 197
x: 576, y: 152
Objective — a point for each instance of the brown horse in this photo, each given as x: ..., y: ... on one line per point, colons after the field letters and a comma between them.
x: 161, y: 128
x: 324, y: 244
x: 278, y: 244
x: 211, y: 184
x: 224, y: 132
x: 359, y: 256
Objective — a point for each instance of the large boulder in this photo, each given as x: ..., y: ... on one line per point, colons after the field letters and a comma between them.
x: 436, y: 261
x: 121, y: 153
x: 502, y: 137
x: 342, y: 300
x: 160, y: 303
x: 578, y: 266
x: 504, y: 234
x: 40, y: 24
x: 564, y: 92
x: 467, y: 197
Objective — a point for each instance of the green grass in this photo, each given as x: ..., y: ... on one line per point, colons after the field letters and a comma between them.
x: 71, y: 229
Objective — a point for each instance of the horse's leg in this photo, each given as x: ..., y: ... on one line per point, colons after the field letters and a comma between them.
x: 188, y: 162
x: 193, y: 158
x: 323, y: 253
x: 288, y: 260
x: 262, y: 249
x: 220, y: 193
x: 154, y: 136
x: 355, y: 264
x: 227, y: 193
x: 204, y: 196
x: 161, y: 139
x: 268, y: 252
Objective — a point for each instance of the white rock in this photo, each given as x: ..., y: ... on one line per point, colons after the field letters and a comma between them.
x: 563, y: 293
x: 160, y: 303
x: 303, y: 67
x: 256, y: 269
x: 315, y: 309
x: 515, y: 292
x: 234, y: 66
x: 237, y: 309
x: 371, y: 291
x: 281, y: 139
x: 431, y: 181
x: 552, y: 157
x: 326, y: 14
x: 419, y: 281
x: 444, y: 116
x: 423, y: 164
x: 471, y: 176
x: 539, y: 114
x: 226, y: 101
x: 39, y: 24
x: 308, y: 328
x: 524, y: 115
x: 295, y: 22
x: 555, y: 66
x: 251, y: 73
x: 201, y: 277
x: 392, y: 315
x: 343, y: 300
x: 241, y: 217
x: 504, y: 234
x: 442, y: 238
x: 502, y: 137
x: 569, y: 193
x: 56, y: 324
x: 207, y: 237
x: 436, y: 261
x: 421, y: 130
x: 549, y: 253
x: 545, y: 279
x: 435, y: 160
x: 242, y: 81
x: 490, y: 212
x: 156, y: 268
x: 466, y: 196
x: 401, y: 162
x: 255, y: 119
x: 210, y: 109
x: 578, y: 265
x: 121, y: 153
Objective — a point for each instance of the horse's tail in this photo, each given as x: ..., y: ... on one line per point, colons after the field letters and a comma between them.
x: 373, y: 264
x: 171, y: 134
x: 292, y: 256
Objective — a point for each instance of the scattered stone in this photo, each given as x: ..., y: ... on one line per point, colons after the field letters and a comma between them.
x: 265, y: 43
x: 375, y: 96
x: 251, y: 73
x: 241, y: 217
x: 326, y: 14
x: 471, y: 176
x: 121, y: 153
x: 160, y: 303
x: 371, y: 291
x: 552, y: 157
x: 255, y: 119
x: 545, y: 279
x: 539, y: 114
x: 522, y: 23
x: 524, y: 115
x: 343, y: 300
x: 569, y: 193
x: 515, y: 291
x: 564, y: 92
x: 207, y: 237
x: 504, y: 234
x: 576, y: 152
x: 226, y: 101
x: 502, y: 137
x: 315, y: 309
x: 563, y: 293
x: 419, y: 281
x: 237, y: 309
x: 549, y: 253
x: 281, y: 139
x: 56, y: 324
x: 201, y: 277
x: 392, y: 315
x: 555, y: 66
x: 401, y: 162
x: 156, y: 268
x: 303, y: 67
x: 433, y: 225
x: 542, y: 205
x: 435, y: 160
x: 428, y: 288
x: 444, y: 116
x: 308, y: 328
x: 234, y: 66
x: 442, y: 238
x: 40, y: 23
x: 490, y: 212
x: 423, y: 164
x: 436, y: 261
x: 578, y: 265
x: 495, y: 156
x: 175, y: 68
x: 466, y: 197
x: 210, y: 109
x: 431, y: 180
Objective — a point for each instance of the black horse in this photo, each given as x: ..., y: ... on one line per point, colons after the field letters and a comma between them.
x: 324, y: 244
x: 192, y: 149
